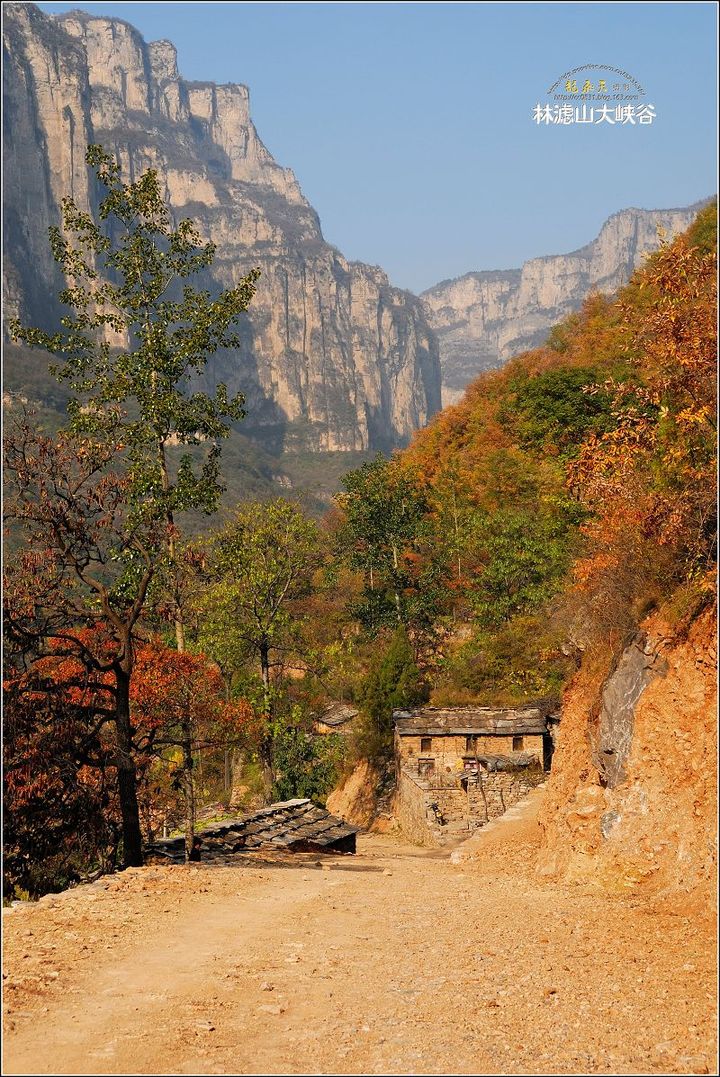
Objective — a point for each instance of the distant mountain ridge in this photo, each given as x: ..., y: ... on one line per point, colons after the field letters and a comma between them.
x: 484, y: 318
x: 333, y: 356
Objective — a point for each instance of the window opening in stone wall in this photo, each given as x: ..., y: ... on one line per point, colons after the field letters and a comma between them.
x: 471, y: 744
x: 426, y: 744
x: 517, y: 744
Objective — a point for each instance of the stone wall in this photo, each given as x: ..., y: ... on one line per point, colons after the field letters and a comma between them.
x: 429, y: 812
x: 479, y: 804
x: 448, y: 750
x: 412, y: 813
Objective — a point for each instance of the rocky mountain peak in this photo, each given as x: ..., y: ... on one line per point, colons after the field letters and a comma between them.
x: 482, y: 319
x: 163, y: 61
x: 333, y: 357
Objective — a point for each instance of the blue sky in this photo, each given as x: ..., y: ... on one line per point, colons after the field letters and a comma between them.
x: 409, y: 126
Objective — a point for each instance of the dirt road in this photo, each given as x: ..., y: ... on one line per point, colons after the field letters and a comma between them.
x: 391, y: 961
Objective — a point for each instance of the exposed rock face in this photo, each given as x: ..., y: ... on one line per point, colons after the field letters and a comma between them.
x: 650, y: 823
x: 611, y: 737
x: 484, y: 319
x: 332, y: 354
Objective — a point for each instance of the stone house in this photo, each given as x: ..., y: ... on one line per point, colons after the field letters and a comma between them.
x: 458, y: 767
x: 437, y: 739
x: 335, y: 718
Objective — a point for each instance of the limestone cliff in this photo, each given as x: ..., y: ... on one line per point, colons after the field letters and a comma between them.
x: 632, y: 801
x: 333, y: 356
x: 483, y: 319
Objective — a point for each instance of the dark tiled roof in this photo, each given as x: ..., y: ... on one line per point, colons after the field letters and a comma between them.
x: 337, y: 714
x: 290, y: 824
x: 481, y: 721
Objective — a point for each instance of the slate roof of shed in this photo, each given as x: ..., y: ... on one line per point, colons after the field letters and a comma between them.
x: 283, y: 825
x: 337, y: 714
x: 481, y: 721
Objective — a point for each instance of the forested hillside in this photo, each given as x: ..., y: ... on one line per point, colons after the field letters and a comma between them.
x: 575, y: 487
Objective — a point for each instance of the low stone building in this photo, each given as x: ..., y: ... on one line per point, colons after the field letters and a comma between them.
x: 459, y: 767
x: 336, y: 718
x: 435, y: 739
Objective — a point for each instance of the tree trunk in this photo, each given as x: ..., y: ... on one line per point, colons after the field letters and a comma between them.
x: 266, y: 762
x: 237, y: 762
x: 228, y: 775
x: 398, y: 609
x: 127, y: 776
x: 189, y: 790
x: 186, y: 746
x: 188, y: 778
x: 266, y: 754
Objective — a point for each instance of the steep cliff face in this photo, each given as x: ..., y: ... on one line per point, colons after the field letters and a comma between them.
x: 483, y: 319
x: 333, y: 356
x: 631, y: 803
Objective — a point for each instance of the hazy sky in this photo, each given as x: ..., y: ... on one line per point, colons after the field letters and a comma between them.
x: 410, y: 129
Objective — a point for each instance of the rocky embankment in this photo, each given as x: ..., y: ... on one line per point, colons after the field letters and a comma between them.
x: 364, y: 796
x: 332, y: 357
x: 631, y: 803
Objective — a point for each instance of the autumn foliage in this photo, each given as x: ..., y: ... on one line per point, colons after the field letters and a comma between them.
x: 576, y: 486
x: 62, y: 815
x: 653, y: 474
